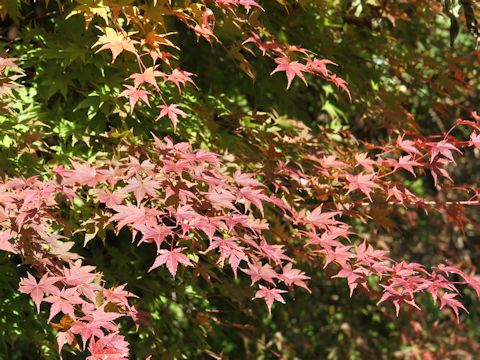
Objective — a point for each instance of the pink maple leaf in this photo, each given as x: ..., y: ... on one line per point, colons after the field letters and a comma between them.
x: 396, y: 193
x: 269, y: 295
x: 141, y: 187
x: 474, y: 140
x: 320, y: 66
x: 117, y: 295
x: 292, y: 276
x: 157, y: 233
x: 5, y: 244
x: 148, y: 76
x: 171, y: 258
x: 230, y: 250
x: 245, y: 179
x: 249, y: 195
x: 273, y: 252
x: 78, y: 274
x: 353, y: 277
x: 134, y: 95
x: 448, y: 299
x: 362, y: 182
x: 63, y: 301
x: 172, y: 111
x: 321, y: 219
x: 291, y: 68
x: 443, y: 148
x: 406, y: 162
x: 84, y: 174
x: 260, y: 272
x: 110, y: 198
x: 365, y: 161
x: 112, y: 347
x: 134, y: 216
x: 179, y: 77
x: 340, y: 83
x: 248, y: 4
x: 331, y: 161
x: 407, y: 145
x: 222, y: 200
x: 36, y: 290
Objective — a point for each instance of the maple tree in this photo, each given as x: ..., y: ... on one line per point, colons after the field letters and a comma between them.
x: 324, y: 180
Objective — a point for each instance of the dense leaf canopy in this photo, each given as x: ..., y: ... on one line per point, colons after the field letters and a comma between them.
x: 239, y: 179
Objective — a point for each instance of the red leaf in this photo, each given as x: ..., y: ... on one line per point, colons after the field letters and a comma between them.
x: 292, y: 69
x: 172, y: 111
x: 171, y: 258
x: 134, y: 95
x: 269, y: 295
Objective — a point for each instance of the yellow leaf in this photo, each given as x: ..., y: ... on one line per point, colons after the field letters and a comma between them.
x: 116, y: 42
x: 89, y: 9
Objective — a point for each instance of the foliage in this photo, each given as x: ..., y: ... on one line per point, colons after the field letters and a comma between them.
x: 171, y: 167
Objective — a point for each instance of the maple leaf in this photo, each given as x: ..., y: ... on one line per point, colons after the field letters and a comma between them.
x: 78, y: 275
x: 83, y: 174
x: 353, y: 277
x: 230, y: 250
x: 398, y: 298
x: 246, y: 180
x: 340, y: 254
x: 134, y: 95
x: 365, y: 161
x: 407, y: 145
x: 448, y: 299
x: 222, y: 199
x: 36, y: 290
x: 110, y: 198
x: 294, y: 277
x: 63, y: 301
x: 171, y: 258
x: 248, y: 4
x: 91, y: 325
x: 396, y: 193
x: 327, y: 239
x: 89, y: 9
x: 367, y: 255
x: 179, y: 77
x: 273, y: 252
x: 157, y: 233
x: 134, y: 216
x: 474, y: 140
x: 116, y: 295
x: 406, y: 162
x: 362, y: 182
x: 112, y: 346
x: 116, y: 42
x: 319, y: 219
x: 249, y: 195
x: 172, y: 111
x: 340, y: 83
x: 320, y: 66
x: 437, y: 168
x: 65, y: 337
x: 269, y: 295
x: 5, y: 237
x: 443, y: 148
x: 331, y: 161
x: 260, y: 272
x: 292, y: 69
x: 141, y: 187
x: 148, y: 76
